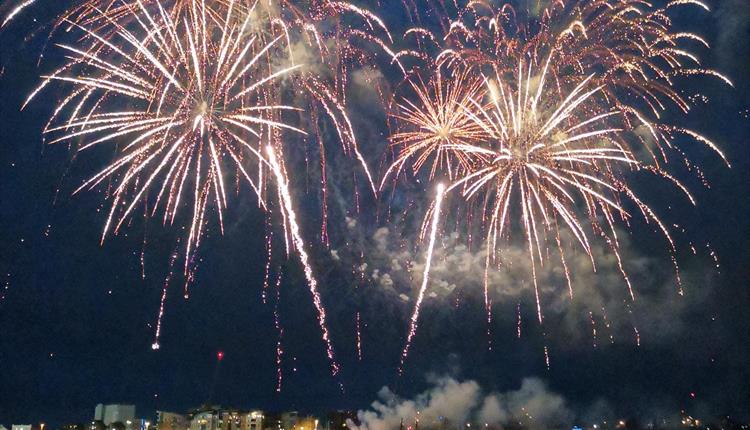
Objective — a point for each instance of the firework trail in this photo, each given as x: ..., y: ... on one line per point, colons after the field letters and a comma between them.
x: 359, y: 338
x: 413, y: 323
x: 299, y: 245
x: 163, y: 300
x: 15, y: 11
x: 280, y: 334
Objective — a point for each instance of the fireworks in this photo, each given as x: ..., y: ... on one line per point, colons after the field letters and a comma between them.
x: 214, y: 66
x: 548, y: 140
x: 548, y: 159
x: 186, y: 93
x: 545, y: 158
x: 181, y: 98
x: 628, y: 47
x: 536, y: 123
x: 437, y: 126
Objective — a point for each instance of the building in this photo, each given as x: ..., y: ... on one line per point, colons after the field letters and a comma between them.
x: 205, y: 418
x: 21, y: 427
x: 242, y: 420
x: 231, y: 420
x: 217, y: 418
x: 255, y: 420
x: 110, y: 414
x: 2, y: 427
x: 289, y: 420
x: 171, y: 421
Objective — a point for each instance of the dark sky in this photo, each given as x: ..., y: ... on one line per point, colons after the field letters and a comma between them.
x: 76, y: 320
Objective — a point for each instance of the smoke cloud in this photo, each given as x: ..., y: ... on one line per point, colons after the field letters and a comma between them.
x: 449, y: 403
x: 600, y: 297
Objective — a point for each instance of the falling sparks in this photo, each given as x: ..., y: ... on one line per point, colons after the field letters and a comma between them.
x: 593, y: 328
x: 299, y: 245
x: 5, y: 288
x: 714, y: 256
x: 269, y: 257
x: 608, y: 325
x: 280, y: 335
x: 518, y: 320
x: 425, y: 276
x: 359, y: 338
x: 160, y: 316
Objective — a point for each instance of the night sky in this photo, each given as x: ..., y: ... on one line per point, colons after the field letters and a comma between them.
x: 77, y: 319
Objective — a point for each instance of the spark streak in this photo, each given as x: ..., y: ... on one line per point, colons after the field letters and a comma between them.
x: 299, y: 245
x: 157, y: 333
x: 359, y: 338
x: 16, y: 11
x: 425, y: 276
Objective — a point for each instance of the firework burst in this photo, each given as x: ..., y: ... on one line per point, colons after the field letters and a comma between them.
x: 322, y: 59
x: 569, y: 107
x: 186, y: 93
x: 543, y: 162
x: 547, y: 157
x: 182, y: 97
x: 436, y: 126
x: 629, y: 47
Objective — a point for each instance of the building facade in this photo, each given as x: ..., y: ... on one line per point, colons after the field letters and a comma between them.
x: 171, y: 421
x: 206, y: 419
x: 289, y: 420
x: 216, y: 418
x: 109, y: 414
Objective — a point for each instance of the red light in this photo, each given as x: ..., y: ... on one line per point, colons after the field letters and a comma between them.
x: 220, y: 355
